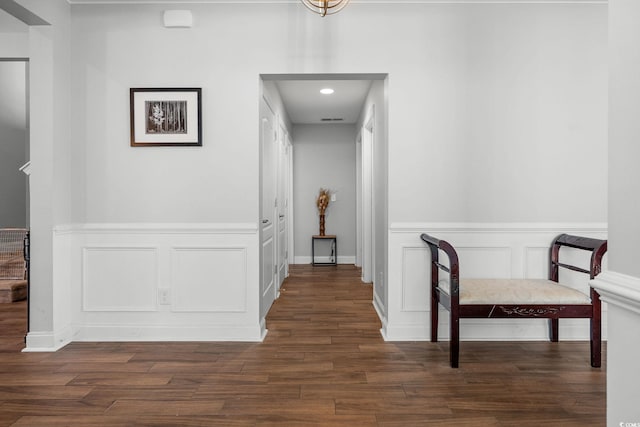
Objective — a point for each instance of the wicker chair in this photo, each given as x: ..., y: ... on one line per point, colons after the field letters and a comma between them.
x: 13, y: 266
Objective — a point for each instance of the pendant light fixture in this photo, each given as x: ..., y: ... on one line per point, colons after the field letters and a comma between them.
x: 325, y: 7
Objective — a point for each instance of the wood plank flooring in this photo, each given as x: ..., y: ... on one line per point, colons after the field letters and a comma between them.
x: 322, y: 363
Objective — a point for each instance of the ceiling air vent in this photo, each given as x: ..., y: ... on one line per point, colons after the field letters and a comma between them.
x: 327, y: 119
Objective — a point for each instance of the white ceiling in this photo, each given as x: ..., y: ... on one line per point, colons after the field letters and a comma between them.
x: 306, y: 105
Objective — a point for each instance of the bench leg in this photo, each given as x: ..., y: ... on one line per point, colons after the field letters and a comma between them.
x: 596, y: 332
x: 596, y: 344
x: 553, y: 330
x: 454, y: 344
x: 434, y: 317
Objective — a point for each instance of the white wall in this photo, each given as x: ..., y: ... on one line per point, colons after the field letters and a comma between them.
x: 489, y: 106
x: 624, y: 150
x: 14, y: 37
x: 508, y: 112
x: 620, y: 286
x: 324, y: 156
x: 504, y: 93
x: 213, y: 183
x: 13, y: 143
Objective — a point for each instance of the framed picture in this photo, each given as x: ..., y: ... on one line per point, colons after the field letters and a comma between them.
x: 166, y: 117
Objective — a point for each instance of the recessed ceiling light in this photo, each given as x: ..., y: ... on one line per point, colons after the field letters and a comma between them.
x: 326, y: 91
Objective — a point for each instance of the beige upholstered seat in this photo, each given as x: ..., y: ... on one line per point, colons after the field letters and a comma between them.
x: 516, y: 291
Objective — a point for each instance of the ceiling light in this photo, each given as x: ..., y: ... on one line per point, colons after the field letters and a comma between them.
x: 325, y: 7
x: 327, y: 91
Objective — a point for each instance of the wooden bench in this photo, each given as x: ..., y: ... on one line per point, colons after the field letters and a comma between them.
x: 13, y: 271
x: 515, y: 298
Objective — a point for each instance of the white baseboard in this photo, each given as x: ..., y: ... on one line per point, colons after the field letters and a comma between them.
x: 127, y: 333
x: 47, y: 341
x: 341, y: 259
x: 378, y: 306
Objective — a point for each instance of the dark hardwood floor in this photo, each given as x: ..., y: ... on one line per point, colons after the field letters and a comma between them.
x: 322, y: 363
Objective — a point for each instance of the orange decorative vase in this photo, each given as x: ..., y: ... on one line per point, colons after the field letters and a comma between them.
x: 322, y: 224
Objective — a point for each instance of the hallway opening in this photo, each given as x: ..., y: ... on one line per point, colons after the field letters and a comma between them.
x: 312, y: 139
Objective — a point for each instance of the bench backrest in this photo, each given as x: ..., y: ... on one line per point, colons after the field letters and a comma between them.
x: 437, y: 245
x: 597, y: 247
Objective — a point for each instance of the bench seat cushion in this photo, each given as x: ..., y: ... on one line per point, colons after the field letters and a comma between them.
x: 516, y: 291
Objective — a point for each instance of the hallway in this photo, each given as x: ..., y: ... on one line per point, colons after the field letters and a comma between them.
x: 322, y: 363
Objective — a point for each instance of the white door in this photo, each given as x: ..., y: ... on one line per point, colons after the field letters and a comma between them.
x: 290, y: 248
x: 268, y: 153
x: 282, y: 206
x: 367, y: 202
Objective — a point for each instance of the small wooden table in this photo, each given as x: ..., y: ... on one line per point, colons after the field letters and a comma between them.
x: 334, y: 249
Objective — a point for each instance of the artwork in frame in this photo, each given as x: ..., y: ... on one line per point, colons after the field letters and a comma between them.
x: 166, y: 117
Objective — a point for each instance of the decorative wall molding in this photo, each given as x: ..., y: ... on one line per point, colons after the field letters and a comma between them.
x: 514, y: 250
x: 619, y: 289
x: 501, y: 250
x: 119, y: 278
x: 154, y: 282
x: 414, y: 270
x: 158, y: 228
x: 499, y: 227
x: 209, y: 279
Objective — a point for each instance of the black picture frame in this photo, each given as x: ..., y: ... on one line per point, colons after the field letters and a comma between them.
x: 162, y: 117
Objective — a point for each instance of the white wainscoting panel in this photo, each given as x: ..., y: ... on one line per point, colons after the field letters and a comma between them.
x: 486, y: 261
x: 536, y: 262
x: 156, y: 282
x: 485, y: 251
x: 209, y: 279
x: 119, y: 278
x: 414, y: 271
